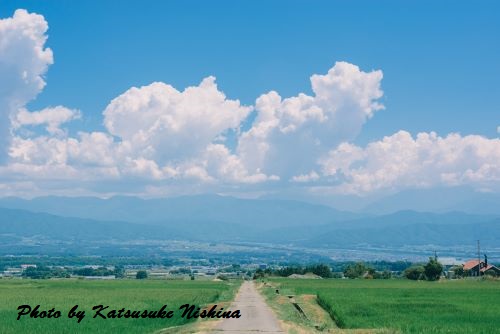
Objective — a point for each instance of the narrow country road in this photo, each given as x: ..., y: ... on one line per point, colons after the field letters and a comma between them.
x: 256, y: 315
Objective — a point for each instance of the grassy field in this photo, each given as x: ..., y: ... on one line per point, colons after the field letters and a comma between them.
x: 131, y: 294
x: 462, y: 306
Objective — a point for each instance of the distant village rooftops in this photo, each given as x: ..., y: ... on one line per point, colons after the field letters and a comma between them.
x: 471, y: 266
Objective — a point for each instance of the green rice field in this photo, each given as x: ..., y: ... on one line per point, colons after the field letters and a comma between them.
x: 129, y: 294
x: 458, y: 306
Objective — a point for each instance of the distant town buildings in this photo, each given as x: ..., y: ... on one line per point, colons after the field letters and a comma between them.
x: 473, y: 267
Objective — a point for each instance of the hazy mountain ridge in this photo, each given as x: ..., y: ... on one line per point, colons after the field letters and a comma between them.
x: 191, y: 208
x: 400, y: 228
x: 215, y: 218
x: 31, y: 224
x: 439, y: 200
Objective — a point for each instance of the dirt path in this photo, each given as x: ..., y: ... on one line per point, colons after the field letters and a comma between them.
x: 256, y: 316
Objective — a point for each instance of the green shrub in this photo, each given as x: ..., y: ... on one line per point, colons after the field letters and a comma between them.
x: 141, y: 274
x: 433, y: 269
x: 414, y: 272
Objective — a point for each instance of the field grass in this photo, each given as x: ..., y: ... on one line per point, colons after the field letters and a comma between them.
x: 131, y: 294
x: 313, y: 315
x: 461, y: 306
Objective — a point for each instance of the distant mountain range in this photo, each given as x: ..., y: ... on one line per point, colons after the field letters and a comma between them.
x: 404, y: 228
x: 269, y: 213
x: 461, y: 199
x: 438, y: 200
x: 217, y: 218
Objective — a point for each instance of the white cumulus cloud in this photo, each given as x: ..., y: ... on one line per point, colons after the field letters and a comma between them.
x: 158, y: 138
x: 290, y: 134
x: 165, y: 124
x: 23, y: 62
x: 52, y: 118
x: 400, y: 161
x: 312, y: 176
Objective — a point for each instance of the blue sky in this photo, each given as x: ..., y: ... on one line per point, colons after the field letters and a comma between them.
x: 440, y: 60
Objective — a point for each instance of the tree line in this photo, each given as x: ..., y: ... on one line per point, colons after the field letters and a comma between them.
x: 44, y: 272
x: 430, y: 271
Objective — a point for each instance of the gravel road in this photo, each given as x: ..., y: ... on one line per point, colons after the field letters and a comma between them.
x: 256, y: 315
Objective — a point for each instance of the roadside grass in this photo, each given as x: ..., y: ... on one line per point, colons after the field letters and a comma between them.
x: 314, y: 320
x: 461, y: 306
x: 129, y: 294
x: 280, y: 304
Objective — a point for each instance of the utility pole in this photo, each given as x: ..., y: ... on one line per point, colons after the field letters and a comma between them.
x: 478, y: 261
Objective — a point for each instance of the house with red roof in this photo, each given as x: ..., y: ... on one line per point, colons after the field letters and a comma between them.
x: 473, y: 267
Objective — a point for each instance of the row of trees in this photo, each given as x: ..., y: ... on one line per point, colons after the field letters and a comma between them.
x: 431, y: 271
x: 43, y: 272
x: 354, y: 270
x: 321, y: 270
x: 101, y: 271
x: 360, y: 270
